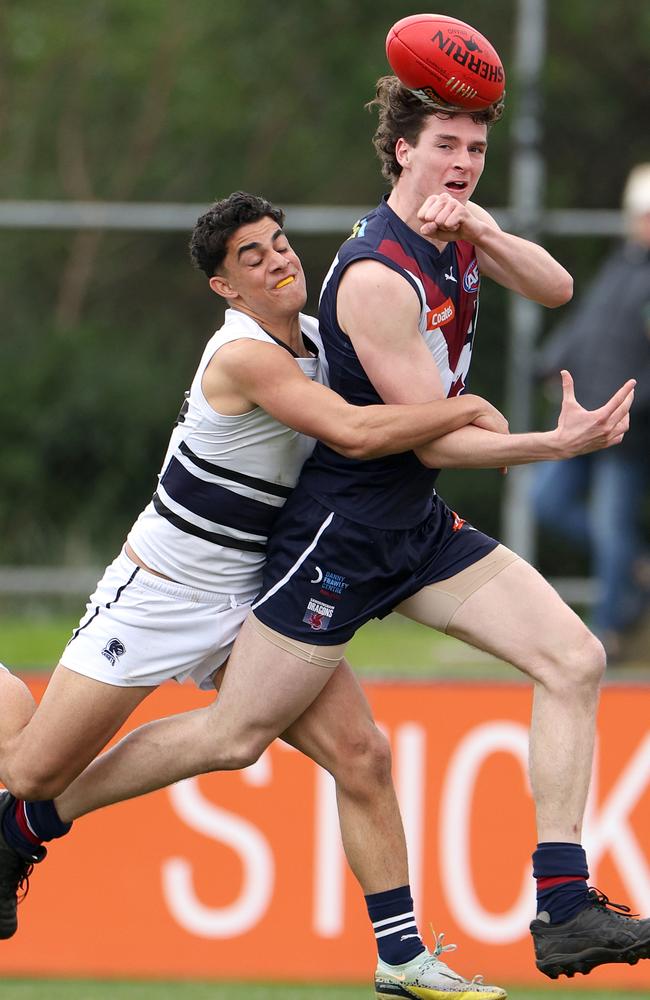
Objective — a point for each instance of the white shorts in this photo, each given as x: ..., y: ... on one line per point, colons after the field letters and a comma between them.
x: 140, y: 630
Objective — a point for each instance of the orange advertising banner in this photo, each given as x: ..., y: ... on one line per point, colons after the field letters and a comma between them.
x: 212, y: 877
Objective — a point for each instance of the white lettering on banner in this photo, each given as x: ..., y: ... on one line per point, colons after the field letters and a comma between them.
x: 455, y: 814
x: 409, y: 753
x: 608, y: 831
x: 329, y: 861
x: 256, y: 859
x: 260, y: 773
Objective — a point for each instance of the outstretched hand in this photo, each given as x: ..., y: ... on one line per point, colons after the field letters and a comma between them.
x: 580, y: 431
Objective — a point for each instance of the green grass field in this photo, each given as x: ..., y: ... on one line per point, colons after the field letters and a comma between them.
x: 388, y: 648
x: 34, y: 989
x: 394, y: 647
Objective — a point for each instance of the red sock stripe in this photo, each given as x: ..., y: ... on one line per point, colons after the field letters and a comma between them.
x: 550, y: 883
x: 23, y: 825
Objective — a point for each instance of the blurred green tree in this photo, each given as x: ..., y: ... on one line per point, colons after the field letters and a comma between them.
x: 158, y: 100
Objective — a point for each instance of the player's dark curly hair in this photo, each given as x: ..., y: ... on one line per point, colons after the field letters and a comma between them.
x: 209, y: 241
x: 403, y: 115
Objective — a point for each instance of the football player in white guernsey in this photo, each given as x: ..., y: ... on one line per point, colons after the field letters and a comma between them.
x: 172, y: 603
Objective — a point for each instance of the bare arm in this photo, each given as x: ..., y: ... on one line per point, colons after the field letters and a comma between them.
x: 379, y: 311
x: 513, y: 262
x: 578, y: 432
x: 248, y: 373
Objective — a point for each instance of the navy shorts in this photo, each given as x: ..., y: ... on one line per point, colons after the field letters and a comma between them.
x: 326, y: 575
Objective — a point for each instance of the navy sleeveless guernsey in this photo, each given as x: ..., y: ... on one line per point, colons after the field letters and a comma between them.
x: 356, y: 539
x: 395, y: 491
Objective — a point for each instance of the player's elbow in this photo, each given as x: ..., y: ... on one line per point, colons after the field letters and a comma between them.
x: 358, y: 449
x: 356, y: 439
x: 429, y: 458
x: 562, y: 291
x: 35, y: 785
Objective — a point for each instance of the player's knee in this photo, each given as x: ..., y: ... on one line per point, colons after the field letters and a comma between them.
x: 580, y: 665
x: 34, y: 784
x: 242, y: 752
x: 594, y: 660
x: 587, y: 661
x: 243, y: 756
x: 363, y: 760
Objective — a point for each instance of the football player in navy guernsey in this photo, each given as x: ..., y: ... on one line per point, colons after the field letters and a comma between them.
x: 171, y: 604
x: 397, y: 316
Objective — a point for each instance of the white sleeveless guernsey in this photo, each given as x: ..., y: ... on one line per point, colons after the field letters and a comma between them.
x: 223, y: 480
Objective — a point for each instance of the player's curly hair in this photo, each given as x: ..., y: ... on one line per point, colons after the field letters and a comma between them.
x: 213, y: 229
x: 403, y: 115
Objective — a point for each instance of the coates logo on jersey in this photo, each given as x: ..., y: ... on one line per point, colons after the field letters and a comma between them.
x: 440, y: 315
x: 318, y: 615
x: 472, y: 278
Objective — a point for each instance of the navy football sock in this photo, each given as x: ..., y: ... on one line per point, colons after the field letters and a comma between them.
x: 561, y: 872
x: 25, y: 825
x: 393, y: 921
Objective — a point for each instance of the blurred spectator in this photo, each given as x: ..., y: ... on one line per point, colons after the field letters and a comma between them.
x: 596, y: 501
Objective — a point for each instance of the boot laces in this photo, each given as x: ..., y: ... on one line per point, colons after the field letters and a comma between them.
x: 599, y: 898
x: 439, y: 949
x: 17, y: 881
x: 22, y: 887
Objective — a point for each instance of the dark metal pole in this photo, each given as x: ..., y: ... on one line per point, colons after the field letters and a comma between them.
x: 525, y: 317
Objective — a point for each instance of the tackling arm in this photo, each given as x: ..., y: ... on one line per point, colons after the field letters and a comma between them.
x: 248, y: 373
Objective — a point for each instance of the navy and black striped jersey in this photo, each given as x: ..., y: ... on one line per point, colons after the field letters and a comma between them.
x: 394, y: 491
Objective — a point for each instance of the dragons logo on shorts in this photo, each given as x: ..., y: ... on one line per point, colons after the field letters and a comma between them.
x: 317, y: 614
x: 112, y: 650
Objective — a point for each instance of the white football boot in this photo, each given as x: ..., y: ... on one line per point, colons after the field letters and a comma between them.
x: 428, y: 978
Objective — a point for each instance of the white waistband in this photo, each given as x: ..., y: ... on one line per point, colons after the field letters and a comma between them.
x: 173, y: 589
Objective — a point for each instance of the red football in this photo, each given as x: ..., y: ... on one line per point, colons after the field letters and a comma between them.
x: 445, y: 61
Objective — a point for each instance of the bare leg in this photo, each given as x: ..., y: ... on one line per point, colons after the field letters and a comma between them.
x: 518, y: 617
x: 18, y: 706
x: 263, y: 691
x: 338, y: 732
x: 43, y: 749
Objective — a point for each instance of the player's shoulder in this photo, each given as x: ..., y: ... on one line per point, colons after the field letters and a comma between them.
x: 367, y: 234
x: 244, y: 363
x: 238, y: 325
x: 371, y: 271
x: 371, y: 289
x: 239, y: 341
x: 373, y: 250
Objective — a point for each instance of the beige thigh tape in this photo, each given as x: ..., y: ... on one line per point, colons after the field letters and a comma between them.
x: 436, y: 604
x: 322, y: 656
